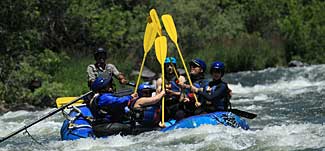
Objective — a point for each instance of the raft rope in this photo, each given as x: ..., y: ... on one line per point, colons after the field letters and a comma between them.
x: 226, y: 119
x: 26, y: 132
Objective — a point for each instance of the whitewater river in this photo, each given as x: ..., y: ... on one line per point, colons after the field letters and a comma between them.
x: 289, y: 102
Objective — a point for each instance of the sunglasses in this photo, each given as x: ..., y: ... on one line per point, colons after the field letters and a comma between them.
x: 194, y: 66
x: 216, y: 71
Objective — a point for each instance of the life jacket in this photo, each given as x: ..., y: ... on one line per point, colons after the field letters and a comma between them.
x: 201, y: 83
x: 223, y: 103
x: 172, y: 99
x: 103, y: 114
x: 77, y: 123
x: 148, y: 116
x: 100, y: 72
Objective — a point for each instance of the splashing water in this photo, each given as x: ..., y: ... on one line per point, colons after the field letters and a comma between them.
x: 289, y: 103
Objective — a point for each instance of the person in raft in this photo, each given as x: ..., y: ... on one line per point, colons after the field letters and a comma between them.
x: 197, y: 70
x: 173, y: 89
x: 110, y: 112
x: 215, y: 96
x: 146, y: 108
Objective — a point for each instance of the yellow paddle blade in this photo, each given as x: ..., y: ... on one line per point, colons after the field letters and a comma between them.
x: 149, y: 37
x: 170, y: 27
x: 161, y: 49
x: 148, y: 40
x: 161, y: 52
x: 65, y: 100
x: 155, y: 20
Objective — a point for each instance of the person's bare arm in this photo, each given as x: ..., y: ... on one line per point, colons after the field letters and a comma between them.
x: 181, y: 80
x: 146, y: 101
x: 122, y: 78
x: 91, y: 74
x: 118, y: 75
x: 171, y: 92
x: 158, y: 85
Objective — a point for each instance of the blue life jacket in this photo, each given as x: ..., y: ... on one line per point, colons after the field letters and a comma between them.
x: 109, y: 108
x: 146, y: 116
x: 220, y: 102
x: 201, y: 83
x: 171, y: 100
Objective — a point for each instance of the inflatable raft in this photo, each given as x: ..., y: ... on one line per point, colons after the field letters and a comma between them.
x: 78, y: 122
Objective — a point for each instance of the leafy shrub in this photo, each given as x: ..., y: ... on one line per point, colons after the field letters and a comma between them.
x: 41, y: 67
x: 46, y: 95
x: 245, y: 52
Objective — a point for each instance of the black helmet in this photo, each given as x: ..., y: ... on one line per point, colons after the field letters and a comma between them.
x: 100, y: 52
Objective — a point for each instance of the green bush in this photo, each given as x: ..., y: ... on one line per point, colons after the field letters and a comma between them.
x: 246, y: 52
x: 40, y: 67
x: 304, y: 29
x: 46, y: 95
x: 35, y: 37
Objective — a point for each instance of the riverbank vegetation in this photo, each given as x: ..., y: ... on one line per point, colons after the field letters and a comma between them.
x: 46, y: 45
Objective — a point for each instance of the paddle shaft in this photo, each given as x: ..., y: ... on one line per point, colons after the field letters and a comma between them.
x: 163, y: 99
x: 186, y: 71
x: 161, y: 52
x: 175, y: 71
x: 44, y: 117
x: 148, y: 40
x: 140, y: 74
x: 171, y: 31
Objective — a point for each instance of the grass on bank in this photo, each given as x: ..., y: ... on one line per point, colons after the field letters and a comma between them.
x: 249, y: 52
x: 73, y: 75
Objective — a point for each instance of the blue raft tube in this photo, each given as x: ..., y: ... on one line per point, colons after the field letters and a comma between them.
x: 78, y: 125
x: 215, y: 118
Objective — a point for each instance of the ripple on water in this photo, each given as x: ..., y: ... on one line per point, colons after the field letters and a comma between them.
x: 289, y: 103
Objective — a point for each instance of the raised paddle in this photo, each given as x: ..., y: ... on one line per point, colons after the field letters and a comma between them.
x: 44, y: 117
x: 155, y: 20
x: 161, y: 52
x: 171, y: 30
x: 148, y: 40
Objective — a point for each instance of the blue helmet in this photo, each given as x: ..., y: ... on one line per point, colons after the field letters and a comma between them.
x: 100, y: 83
x: 144, y: 87
x: 198, y: 62
x: 170, y: 60
x: 218, y: 65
